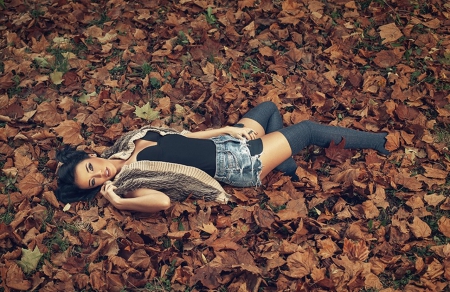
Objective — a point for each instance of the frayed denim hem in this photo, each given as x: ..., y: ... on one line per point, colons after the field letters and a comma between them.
x: 234, y: 163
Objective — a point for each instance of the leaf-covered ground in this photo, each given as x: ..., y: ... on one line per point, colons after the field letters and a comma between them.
x: 83, y: 72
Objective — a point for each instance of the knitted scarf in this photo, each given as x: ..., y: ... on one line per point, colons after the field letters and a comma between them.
x: 175, y: 180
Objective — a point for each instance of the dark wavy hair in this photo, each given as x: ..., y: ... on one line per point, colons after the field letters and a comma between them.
x: 68, y: 191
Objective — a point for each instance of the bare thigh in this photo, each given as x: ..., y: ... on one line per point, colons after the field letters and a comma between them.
x: 276, y: 149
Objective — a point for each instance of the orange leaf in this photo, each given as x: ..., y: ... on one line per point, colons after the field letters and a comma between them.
x: 327, y: 248
x: 444, y: 226
x: 70, y: 132
x: 47, y: 114
x: 358, y: 250
x: 386, y: 59
x: 390, y: 33
x: 301, y: 264
x: 32, y: 184
x: 15, y: 278
x: 370, y: 210
x: 419, y: 228
x: 434, y: 173
x: 433, y: 199
x: 139, y: 259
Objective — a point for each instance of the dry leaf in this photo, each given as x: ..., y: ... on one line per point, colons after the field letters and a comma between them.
x: 390, y: 33
x: 70, y: 132
x: 419, y: 228
x: 356, y: 250
x: 444, y: 226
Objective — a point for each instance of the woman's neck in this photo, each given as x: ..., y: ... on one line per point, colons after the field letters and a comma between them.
x: 118, y: 163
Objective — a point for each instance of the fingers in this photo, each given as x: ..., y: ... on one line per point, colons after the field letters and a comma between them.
x: 250, y: 134
x: 241, y: 133
x: 107, y: 188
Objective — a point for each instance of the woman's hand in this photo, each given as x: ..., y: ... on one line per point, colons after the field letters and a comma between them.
x: 241, y: 133
x: 107, y: 191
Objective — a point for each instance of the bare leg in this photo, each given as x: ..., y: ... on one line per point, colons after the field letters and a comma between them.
x: 276, y: 150
x: 264, y: 119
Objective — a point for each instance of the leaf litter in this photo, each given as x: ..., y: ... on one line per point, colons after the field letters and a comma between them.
x: 83, y: 73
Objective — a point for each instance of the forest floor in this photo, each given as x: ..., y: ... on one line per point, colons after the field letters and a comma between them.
x: 83, y: 72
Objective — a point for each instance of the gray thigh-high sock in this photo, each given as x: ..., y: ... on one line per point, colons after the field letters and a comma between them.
x: 268, y: 116
x: 308, y: 133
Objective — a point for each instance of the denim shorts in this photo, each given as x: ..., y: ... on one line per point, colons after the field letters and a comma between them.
x: 234, y: 163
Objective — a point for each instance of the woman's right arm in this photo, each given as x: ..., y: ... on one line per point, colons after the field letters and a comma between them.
x: 236, y: 132
x: 140, y: 200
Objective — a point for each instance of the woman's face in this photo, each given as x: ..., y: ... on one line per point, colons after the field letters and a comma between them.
x: 94, y: 172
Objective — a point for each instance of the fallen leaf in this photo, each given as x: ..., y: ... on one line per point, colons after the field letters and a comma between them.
x: 434, y: 199
x: 356, y: 250
x: 70, y: 132
x: 32, y: 184
x: 300, y: 264
x: 56, y: 77
x: 15, y: 278
x: 444, y: 226
x: 146, y: 112
x: 30, y: 259
x: 419, y: 228
x: 390, y: 33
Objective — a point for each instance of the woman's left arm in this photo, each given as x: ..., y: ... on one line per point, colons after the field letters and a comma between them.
x: 140, y: 200
x: 235, y: 132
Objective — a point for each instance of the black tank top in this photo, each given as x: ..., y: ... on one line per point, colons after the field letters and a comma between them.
x: 200, y: 153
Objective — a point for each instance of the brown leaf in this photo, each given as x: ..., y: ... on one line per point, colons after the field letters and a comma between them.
x: 139, y: 259
x: 390, y: 33
x: 70, y: 132
x: 415, y: 203
x: 300, y: 264
x: 15, y: 278
x: 47, y: 114
x: 386, y: 59
x: 370, y: 210
x: 444, y: 226
x: 240, y: 195
x: 372, y: 281
x: 208, y: 275
x: 327, y: 248
x: 294, y: 209
x: 89, y: 215
x: 434, y: 172
x: 264, y: 218
x: 208, y: 228
x: 356, y: 250
x: 278, y: 198
x: 51, y: 198
x: 393, y: 141
x: 434, y: 270
x: 114, y: 132
x: 337, y: 152
x: 434, y: 199
x: 32, y: 184
x: 419, y: 228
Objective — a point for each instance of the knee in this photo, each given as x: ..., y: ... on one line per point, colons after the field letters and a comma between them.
x: 269, y: 105
x: 306, y: 124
